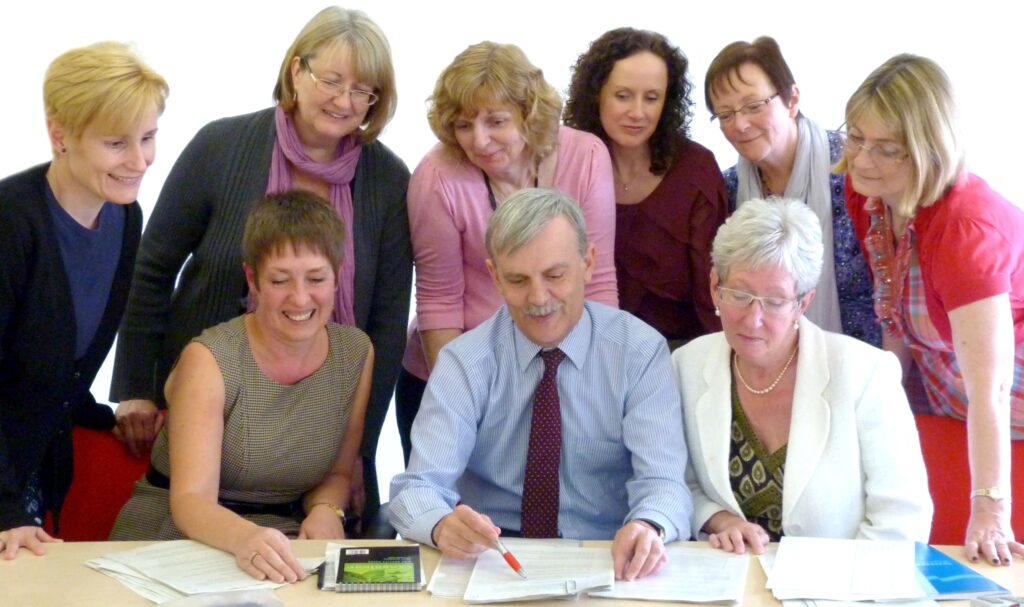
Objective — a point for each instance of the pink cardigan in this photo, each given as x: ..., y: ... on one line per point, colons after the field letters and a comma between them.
x: 448, y: 214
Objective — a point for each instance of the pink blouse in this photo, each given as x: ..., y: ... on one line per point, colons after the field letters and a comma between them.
x: 448, y: 214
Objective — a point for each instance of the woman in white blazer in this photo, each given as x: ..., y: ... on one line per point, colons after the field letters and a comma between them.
x: 792, y: 430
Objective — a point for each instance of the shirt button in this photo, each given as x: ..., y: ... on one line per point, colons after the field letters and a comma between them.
x: 77, y: 375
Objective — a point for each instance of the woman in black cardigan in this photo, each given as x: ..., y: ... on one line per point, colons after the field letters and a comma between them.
x: 69, y: 230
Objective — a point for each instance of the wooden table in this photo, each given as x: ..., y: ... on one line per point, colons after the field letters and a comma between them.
x: 61, y: 579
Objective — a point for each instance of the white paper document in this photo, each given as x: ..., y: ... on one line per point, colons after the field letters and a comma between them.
x: 451, y: 576
x: 693, y: 575
x: 844, y: 570
x: 553, y: 570
x: 170, y: 570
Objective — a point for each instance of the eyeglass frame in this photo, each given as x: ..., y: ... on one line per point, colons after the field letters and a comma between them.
x: 319, y: 82
x: 747, y: 109
x: 763, y: 300
x: 877, y: 155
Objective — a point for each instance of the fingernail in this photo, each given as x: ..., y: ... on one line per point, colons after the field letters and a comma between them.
x: 995, y: 561
x: 974, y: 559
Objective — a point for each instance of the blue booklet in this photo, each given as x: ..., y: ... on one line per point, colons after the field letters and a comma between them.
x: 943, y: 577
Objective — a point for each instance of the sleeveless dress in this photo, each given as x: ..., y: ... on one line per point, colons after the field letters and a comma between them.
x: 280, y: 441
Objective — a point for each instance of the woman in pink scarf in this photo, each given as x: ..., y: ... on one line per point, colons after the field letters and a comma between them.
x: 335, y: 93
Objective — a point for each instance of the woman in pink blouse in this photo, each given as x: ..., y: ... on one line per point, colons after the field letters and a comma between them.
x: 497, y: 120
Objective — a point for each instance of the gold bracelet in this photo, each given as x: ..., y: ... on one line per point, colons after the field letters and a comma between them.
x: 994, y: 493
x: 335, y: 508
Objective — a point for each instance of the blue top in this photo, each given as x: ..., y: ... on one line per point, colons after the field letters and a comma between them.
x: 623, y: 450
x: 90, y: 259
x: 853, y: 282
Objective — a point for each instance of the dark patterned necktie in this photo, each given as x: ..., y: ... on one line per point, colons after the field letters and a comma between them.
x: 540, y: 486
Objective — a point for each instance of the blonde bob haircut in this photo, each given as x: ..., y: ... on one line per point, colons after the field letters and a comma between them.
x: 487, y: 73
x: 913, y: 98
x: 105, y: 84
x: 370, y: 52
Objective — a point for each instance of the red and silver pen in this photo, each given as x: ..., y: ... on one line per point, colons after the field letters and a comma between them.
x: 511, y: 560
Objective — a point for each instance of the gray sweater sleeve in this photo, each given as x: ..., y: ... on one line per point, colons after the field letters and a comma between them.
x: 198, y: 218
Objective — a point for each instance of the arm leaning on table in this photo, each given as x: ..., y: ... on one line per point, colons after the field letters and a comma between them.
x: 983, y: 340
x: 196, y: 432
x: 443, y: 437
x: 652, y: 430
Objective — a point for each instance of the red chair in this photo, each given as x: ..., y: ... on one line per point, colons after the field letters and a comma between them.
x: 105, y: 474
x: 944, y: 445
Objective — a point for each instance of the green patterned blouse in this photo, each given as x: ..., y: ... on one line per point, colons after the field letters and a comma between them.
x: 756, y: 475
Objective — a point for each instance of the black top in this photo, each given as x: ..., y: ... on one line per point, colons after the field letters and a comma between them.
x: 43, y: 390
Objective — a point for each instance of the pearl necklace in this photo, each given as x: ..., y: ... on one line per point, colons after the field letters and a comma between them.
x: 736, y: 361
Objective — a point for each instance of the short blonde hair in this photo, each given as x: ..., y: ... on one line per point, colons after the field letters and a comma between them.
x: 913, y: 98
x: 371, y: 54
x: 501, y: 73
x: 104, y: 83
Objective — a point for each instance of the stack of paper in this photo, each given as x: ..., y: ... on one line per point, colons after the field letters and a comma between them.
x: 844, y: 570
x: 171, y: 570
x: 558, y: 568
x: 554, y: 568
x: 693, y: 575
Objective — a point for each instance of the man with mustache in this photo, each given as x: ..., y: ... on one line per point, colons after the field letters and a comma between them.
x: 554, y: 418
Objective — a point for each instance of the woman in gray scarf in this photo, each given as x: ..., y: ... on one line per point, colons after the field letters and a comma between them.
x: 751, y: 92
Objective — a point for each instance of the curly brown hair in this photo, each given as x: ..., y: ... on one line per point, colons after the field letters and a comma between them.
x: 582, y: 110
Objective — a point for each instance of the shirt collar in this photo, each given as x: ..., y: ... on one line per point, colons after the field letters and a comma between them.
x: 575, y: 344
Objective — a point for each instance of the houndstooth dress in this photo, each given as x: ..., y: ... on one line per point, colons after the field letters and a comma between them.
x: 280, y: 440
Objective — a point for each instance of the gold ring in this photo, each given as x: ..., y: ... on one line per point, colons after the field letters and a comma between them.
x: 252, y: 558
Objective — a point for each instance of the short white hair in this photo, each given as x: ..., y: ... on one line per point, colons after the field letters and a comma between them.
x: 779, y: 232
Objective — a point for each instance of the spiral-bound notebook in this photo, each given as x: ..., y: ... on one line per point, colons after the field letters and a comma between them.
x: 371, y: 569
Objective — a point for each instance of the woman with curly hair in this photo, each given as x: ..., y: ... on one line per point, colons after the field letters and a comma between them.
x: 497, y: 122
x: 630, y: 89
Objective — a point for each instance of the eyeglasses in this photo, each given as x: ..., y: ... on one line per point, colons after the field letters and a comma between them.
x: 358, y: 97
x: 882, y: 154
x: 773, y: 306
x: 747, y: 109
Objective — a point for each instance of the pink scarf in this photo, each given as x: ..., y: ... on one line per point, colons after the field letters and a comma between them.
x: 338, y: 174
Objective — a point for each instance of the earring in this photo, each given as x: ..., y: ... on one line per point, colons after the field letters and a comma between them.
x: 295, y: 95
x: 717, y: 311
x: 63, y: 150
x: 796, y: 325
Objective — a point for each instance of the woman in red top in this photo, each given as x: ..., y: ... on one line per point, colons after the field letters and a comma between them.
x: 947, y: 255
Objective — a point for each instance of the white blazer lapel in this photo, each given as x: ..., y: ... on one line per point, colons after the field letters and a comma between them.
x: 811, y: 418
x: 714, y: 414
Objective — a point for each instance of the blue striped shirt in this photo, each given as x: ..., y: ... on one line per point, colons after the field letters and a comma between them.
x: 623, y: 451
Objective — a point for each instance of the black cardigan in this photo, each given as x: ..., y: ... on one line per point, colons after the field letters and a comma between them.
x: 43, y: 391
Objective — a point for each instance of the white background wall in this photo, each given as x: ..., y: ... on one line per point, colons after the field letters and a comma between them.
x: 221, y: 59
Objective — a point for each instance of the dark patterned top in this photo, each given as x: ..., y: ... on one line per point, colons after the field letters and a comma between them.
x: 756, y: 475
x: 853, y: 282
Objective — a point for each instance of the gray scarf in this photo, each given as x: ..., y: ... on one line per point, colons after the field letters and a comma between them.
x: 810, y: 182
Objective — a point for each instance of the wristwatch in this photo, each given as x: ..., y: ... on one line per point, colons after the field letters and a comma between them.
x: 994, y: 493
x: 657, y: 528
